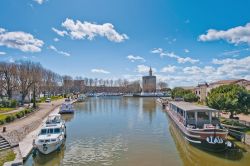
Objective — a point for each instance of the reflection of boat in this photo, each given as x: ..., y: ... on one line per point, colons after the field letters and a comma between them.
x: 199, y: 125
x: 66, y: 108
x: 194, y: 156
x: 52, y: 135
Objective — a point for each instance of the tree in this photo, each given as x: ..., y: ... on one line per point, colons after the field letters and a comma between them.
x: 179, y: 92
x: 162, y: 85
x: 190, y: 97
x: 231, y: 98
x: 8, y: 74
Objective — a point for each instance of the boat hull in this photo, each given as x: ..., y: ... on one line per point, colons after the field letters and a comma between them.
x: 209, y: 141
x: 66, y: 111
x: 49, y: 148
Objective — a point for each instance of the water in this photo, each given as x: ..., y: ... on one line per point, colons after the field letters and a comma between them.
x: 128, y: 132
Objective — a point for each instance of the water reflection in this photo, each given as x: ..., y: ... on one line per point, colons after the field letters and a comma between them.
x: 191, y: 155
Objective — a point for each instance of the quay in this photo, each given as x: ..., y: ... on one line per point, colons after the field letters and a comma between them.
x: 21, y: 133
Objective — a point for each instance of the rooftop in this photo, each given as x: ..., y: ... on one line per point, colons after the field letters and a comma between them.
x: 227, y: 81
x: 191, y: 107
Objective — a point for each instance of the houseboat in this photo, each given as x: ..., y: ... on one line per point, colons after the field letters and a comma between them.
x: 52, y: 135
x: 199, y: 125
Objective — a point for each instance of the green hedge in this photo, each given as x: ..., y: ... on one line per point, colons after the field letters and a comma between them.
x: 11, y: 117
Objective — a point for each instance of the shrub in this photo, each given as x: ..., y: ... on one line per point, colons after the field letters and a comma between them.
x: 20, y: 114
x: 10, y: 118
x: 2, y: 121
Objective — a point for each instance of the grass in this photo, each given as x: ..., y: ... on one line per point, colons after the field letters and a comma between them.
x: 42, y: 99
x: 7, y: 155
x: 6, y: 118
x: 4, y: 109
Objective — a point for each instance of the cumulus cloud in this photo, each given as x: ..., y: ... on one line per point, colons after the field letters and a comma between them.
x: 100, y: 71
x: 236, y: 35
x: 39, y: 1
x: 60, y: 33
x: 20, y: 40
x: 133, y: 58
x: 144, y: 69
x: 186, y: 50
x: 56, y: 39
x: 87, y: 30
x: 179, y: 59
x: 57, y: 51
x: 2, y: 53
x: 169, y: 69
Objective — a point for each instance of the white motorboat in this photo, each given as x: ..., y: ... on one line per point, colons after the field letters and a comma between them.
x: 66, y: 108
x: 52, y: 135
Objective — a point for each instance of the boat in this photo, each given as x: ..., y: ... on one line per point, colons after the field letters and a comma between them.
x: 81, y: 98
x: 52, y: 135
x: 199, y: 125
x: 66, y: 108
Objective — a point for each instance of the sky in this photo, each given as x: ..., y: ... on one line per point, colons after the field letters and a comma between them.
x: 185, y: 42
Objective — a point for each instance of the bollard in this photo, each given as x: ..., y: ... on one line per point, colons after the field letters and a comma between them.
x: 4, y: 129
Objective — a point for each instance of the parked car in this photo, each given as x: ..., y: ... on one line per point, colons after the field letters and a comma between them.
x: 48, y: 100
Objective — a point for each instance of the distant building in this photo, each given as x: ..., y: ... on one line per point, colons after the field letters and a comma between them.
x: 203, y: 89
x: 149, y: 83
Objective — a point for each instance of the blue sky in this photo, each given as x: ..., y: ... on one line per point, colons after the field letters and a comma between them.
x: 185, y: 42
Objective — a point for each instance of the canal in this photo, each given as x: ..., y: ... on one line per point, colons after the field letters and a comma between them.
x: 129, y: 131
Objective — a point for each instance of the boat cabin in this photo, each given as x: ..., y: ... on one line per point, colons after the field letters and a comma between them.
x: 195, y: 116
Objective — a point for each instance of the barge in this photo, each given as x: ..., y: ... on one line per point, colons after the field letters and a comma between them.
x: 199, y: 125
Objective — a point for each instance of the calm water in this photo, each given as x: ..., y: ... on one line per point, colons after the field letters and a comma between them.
x: 128, y: 132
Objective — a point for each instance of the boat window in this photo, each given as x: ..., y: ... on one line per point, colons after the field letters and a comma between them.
x: 190, y: 115
x: 43, y: 131
x: 57, y: 130
x: 203, y: 115
x: 50, y: 131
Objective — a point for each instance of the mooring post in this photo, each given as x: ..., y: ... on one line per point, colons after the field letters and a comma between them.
x: 4, y: 129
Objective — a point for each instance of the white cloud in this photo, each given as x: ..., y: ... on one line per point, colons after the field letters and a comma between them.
x: 11, y: 60
x: 56, y: 39
x: 60, y: 33
x: 179, y: 59
x: 144, y: 69
x: 169, y: 69
x: 236, y: 35
x: 195, y: 70
x: 100, y: 71
x: 39, y: 1
x: 186, y: 50
x: 133, y: 58
x: 57, y: 51
x: 2, y: 53
x: 20, y: 40
x: 86, y: 30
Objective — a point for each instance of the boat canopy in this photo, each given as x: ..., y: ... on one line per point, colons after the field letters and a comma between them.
x: 185, y: 106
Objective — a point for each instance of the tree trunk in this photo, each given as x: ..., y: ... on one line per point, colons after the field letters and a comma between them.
x: 23, y: 98
x: 231, y: 115
x: 34, y: 96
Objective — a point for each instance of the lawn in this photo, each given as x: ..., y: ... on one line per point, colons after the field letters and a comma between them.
x: 7, y: 155
x: 4, y: 109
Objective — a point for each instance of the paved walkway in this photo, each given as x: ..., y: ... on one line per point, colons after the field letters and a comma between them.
x: 17, y: 130
x: 241, y: 116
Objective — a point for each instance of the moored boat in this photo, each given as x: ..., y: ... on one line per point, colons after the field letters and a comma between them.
x: 52, y: 135
x: 66, y: 108
x: 199, y: 125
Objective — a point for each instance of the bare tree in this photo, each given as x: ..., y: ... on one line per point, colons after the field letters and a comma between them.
x: 8, y: 74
